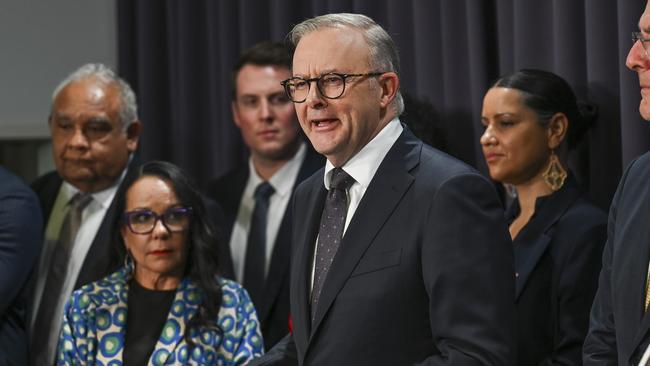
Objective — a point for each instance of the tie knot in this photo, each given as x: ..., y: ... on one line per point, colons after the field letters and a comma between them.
x: 340, y: 179
x: 263, y: 191
x: 79, y: 201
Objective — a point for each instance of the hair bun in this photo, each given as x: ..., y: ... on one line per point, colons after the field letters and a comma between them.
x: 587, y: 115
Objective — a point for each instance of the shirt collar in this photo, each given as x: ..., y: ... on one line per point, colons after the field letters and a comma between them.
x: 103, y: 197
x: 282, y: 181
x: 363, y: 166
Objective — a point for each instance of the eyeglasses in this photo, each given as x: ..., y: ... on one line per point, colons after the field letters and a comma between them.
x: 330, y: 85
x: 638, y: 36
x: 175, y: 219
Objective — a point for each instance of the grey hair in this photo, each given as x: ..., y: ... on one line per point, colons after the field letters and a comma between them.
x: 383, y: 52
x: 128, y: 105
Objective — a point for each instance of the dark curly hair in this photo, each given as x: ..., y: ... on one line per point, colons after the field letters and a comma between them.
x: 547, y: 94
x: 202, y: 266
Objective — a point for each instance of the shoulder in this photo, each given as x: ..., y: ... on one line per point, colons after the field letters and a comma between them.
x: 47, y: 181
x: 108, y: 290
x: 636, y: 174
x: 223, y: 186
x: 581, y: 227
x: 232, y: 293
x: 12, y: 186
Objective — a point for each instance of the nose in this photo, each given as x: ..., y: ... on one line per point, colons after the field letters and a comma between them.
x: 314, y: 98
x: 78, y: 140
x: 160, y: 231
x: 266, y: 111
x: 488, y: 138
x: 636, y: 58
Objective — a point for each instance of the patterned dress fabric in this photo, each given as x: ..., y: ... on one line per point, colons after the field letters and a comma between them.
x: 95, y: 319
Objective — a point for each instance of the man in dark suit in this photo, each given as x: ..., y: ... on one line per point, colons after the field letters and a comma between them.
x: 20, y: 242
x: 619, y: 329
x: 95, y: 129
x: 278, y: 157
x: 400, y: 254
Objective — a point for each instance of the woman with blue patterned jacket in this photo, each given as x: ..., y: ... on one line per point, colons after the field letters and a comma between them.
x: 167, y: 305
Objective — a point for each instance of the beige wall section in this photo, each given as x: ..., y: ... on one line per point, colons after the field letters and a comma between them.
x: 41, y: 42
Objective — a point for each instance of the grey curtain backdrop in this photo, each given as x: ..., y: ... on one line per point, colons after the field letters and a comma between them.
x: 178, y: 56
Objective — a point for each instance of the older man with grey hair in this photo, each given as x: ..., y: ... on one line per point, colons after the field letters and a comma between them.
x: 401, y: 254
x: 95, y: 129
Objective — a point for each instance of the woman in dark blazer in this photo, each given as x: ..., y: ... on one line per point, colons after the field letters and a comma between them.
x: 532, y: 120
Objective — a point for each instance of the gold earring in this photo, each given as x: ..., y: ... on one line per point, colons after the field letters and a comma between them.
x: 555, y: 174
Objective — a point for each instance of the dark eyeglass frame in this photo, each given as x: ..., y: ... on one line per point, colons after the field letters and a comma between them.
x: 318, y: 80
x: 126, y: 218
x: 638, y: 36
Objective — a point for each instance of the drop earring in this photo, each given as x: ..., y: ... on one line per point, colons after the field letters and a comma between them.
x: 555, y: 174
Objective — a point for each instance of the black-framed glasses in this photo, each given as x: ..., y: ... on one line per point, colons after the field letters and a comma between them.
x: 638, y: 36
x: 330, y: 85
x: 175, y: 219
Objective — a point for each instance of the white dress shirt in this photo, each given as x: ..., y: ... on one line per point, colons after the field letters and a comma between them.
x: 362, y: 167
x: 282, y: 182
x: 91, y: 219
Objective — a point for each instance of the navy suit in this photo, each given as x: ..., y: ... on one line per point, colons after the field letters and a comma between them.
x: 423, y: 275
x: 619, y: 331
x: 273, y: 312
x: 20, y: 244
x: 557, y: 261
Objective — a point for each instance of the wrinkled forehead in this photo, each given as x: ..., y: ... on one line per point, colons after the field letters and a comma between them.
x: 340, y: 49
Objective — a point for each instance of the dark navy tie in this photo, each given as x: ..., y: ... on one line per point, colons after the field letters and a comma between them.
x: 254, y: 268
x: 330, y: 233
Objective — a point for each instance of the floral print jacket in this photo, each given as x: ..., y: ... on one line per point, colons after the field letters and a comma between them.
x: 95, y: 319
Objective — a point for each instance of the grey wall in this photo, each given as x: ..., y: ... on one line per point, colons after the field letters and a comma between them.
x: 41, y: 42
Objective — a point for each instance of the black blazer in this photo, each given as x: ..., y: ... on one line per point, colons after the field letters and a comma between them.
x: 619, y: 331
x: 423, y: 274
x: 102, y: 257
x: 20, y: 244
x: 557, y: 261
x: 274, y: 311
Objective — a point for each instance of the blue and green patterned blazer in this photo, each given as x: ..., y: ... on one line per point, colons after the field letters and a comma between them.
x: 95, y: 319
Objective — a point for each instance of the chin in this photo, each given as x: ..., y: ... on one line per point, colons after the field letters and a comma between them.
x: 644, y: 110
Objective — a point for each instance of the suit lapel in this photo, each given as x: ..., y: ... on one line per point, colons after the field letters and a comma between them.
x: 530, y: 248
x: 305, y: 230
x: 279, y: 266
x: 390, y: 183
x: 639, y: 268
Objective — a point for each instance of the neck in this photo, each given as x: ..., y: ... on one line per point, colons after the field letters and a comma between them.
x: 528, y: 192
x: 154, y: 281
x: 266, y: 168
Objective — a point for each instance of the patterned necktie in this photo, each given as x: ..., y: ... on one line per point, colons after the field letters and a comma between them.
x: 332, y: 223
x: 254, y: 268
x: 56, y: 275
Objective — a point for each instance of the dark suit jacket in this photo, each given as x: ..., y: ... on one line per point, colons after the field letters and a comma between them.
x: 423, y: 275
x: 618, y: 330
x: 102, y: 258
x: 20, y: 243
x: 557, y: 260
x: 274, y: 311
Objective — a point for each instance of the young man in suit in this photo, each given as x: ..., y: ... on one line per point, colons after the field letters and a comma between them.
x: 20, y: 243
x: 258, y: 225
x: 400, y: 253
x: 95, y: 129
x: 619, y: 331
